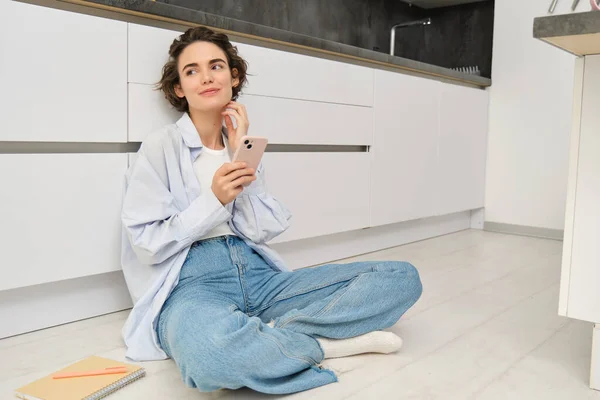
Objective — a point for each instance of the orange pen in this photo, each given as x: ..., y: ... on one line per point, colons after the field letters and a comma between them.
x: 105, y: 371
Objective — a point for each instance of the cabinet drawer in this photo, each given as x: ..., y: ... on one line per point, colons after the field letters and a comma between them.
x: 61, y: 216
x: 282, y: 74
x: 326, y: 192
x: 65, y: 75
x: 287, y: 121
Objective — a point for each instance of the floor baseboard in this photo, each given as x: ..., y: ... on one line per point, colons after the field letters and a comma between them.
x: 546, y: 233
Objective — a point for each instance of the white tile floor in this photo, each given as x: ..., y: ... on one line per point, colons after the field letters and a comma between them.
x: 486, y: 327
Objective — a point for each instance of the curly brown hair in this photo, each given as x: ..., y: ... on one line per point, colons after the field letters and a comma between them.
x: 170, y: 74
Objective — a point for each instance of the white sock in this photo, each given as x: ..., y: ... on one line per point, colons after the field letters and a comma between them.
x: 372, y: 342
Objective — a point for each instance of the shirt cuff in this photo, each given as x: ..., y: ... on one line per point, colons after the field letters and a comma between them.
x: 257, y: 187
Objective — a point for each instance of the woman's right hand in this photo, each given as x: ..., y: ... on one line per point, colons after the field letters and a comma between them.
x: 229, y: 181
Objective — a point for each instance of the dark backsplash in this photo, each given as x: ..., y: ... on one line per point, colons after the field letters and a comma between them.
x: 458, y: 36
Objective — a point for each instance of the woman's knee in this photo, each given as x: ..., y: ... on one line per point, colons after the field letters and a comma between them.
x: 202, y: 352
x: 408, y: 280
x: 206, y: 365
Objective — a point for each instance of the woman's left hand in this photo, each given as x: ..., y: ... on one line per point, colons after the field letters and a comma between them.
x: 238, y: 112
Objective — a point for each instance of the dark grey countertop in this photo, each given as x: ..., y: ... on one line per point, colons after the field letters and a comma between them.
x: 577, y: 33
x: 185, y: 15
x: 567, y: 25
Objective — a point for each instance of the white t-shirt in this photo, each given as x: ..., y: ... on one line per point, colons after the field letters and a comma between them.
x: 205, y: 166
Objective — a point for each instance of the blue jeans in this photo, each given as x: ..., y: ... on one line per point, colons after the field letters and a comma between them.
x: 214, y: 323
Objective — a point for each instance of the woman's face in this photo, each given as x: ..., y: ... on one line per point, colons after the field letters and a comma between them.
x: 205, y: 78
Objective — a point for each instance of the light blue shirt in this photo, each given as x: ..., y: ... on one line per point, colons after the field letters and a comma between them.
x: 165, y: 211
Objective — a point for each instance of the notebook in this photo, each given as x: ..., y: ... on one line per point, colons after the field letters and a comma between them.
x: 81, y: 388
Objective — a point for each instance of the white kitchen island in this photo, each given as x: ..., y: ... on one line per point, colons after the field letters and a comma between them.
x: 579, y: 34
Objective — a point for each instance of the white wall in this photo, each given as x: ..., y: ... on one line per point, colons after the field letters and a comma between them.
x: 530, y: 119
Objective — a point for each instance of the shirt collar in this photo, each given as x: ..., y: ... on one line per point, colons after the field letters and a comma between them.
x: 189, y: 132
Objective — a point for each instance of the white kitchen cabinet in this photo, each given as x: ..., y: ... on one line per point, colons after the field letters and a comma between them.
x: 272, y: 72
x: 60, y: 216
x: 325, y: 192
x: 148, y: 51
x: 64, y: 76
x: 404, y: 154
x: 462, y: 147
x: 148, y: 111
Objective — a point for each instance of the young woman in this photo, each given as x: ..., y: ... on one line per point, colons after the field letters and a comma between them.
x: 208, y: 291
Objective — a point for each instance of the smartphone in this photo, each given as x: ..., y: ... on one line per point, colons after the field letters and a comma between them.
x: 250, y: 150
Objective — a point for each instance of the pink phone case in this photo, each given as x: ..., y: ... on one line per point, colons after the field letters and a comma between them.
x: 250, y: 150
